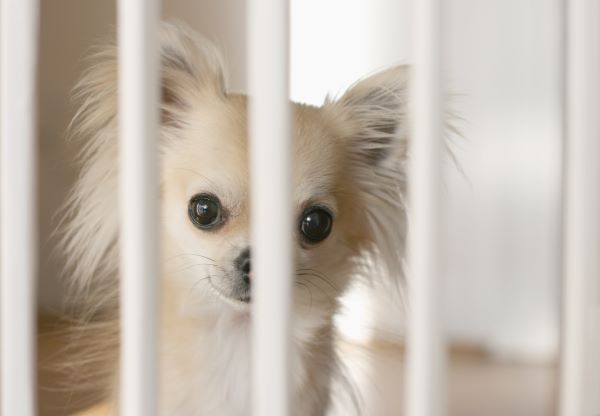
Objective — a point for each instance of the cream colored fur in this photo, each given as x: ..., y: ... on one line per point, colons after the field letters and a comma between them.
x: 349, y: 155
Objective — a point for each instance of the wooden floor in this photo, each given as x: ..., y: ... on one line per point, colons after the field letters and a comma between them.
x: 477, y: 385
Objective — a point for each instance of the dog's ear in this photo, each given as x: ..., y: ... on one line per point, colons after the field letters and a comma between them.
x: 372, y: 115
x: 369, y: 121
x: 191, y: 65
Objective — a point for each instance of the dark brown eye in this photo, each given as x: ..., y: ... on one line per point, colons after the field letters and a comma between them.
x: 316, y: 224
x: 204, y: 211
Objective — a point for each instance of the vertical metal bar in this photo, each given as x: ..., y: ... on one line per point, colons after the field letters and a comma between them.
x: 425, y: 358
x: 581, y: 203
x: 19, y: 110
x: 271, y: 205
x: 138, y: 122
x: 20, y: 23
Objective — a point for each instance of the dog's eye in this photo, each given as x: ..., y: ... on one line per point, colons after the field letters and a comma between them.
x: 316, y: 224
x: 204, y: 211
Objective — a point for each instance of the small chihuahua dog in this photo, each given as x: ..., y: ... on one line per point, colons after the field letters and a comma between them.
x: 348, y: 195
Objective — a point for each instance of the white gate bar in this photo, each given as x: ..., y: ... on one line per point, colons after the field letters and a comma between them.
x: 271, y: 205
x: 138, y: 122
x: 20, y: 25
x: 581, y: 219
x: 425, y: 358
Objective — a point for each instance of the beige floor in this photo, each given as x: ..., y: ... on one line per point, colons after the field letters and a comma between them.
x: 477, y: 386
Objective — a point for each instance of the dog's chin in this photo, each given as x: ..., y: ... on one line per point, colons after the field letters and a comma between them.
x: 239, y: 301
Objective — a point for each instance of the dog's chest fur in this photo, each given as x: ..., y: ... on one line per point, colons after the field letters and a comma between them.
x: 206, y: 368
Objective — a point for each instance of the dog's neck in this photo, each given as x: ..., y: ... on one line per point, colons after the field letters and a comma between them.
x: 206, y: 360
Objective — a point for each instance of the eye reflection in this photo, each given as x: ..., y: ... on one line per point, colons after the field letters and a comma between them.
x: 316, y: 224
x: 205, y: 212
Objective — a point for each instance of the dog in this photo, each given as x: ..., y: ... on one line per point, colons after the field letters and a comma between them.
x: 349, y: 165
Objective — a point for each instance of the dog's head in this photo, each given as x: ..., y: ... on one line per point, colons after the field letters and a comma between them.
x: 348, y: 179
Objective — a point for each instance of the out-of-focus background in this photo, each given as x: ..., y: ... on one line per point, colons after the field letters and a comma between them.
x: 502, y: 203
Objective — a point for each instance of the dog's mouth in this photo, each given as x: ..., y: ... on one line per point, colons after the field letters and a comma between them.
x: 246, y: 298
x: 233, y: 296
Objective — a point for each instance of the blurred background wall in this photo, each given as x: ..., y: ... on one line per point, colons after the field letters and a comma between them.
x: 501, y: 265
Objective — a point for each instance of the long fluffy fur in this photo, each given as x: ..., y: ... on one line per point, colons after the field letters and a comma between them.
x: 369, y: 120
x: 90, y: 226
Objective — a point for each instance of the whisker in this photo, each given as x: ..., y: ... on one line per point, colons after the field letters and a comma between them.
x: 318, y: 275
x: 327, y: 295
x: 190, y: 254
x: 309, y: 292
x: 211, y: 182
x: 197, y: 282
x: 191, y: 266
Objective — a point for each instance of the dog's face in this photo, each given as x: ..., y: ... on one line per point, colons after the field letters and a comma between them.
x: 206, y: 203
x: 347, y: 183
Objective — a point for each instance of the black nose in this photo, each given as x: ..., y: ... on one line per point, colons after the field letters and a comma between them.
x: 242, y: 264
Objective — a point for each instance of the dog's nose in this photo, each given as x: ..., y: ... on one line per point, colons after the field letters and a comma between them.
x: 243, y: 265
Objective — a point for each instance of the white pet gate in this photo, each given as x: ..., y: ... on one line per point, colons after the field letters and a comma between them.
x: 270, y: 156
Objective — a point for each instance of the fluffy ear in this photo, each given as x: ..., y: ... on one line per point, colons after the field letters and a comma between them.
x: 373, y: 112
x: 190, y: 65
x: 370, y: 122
